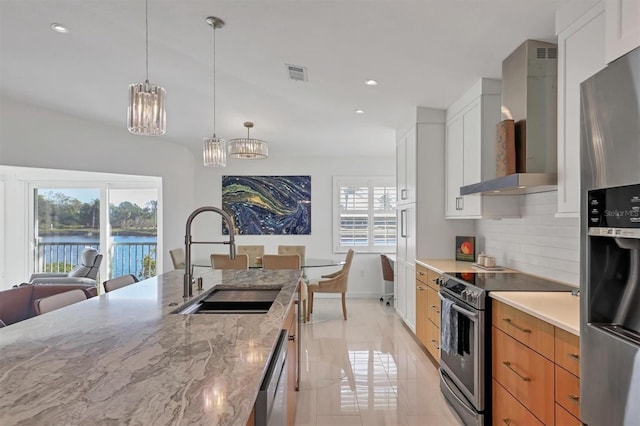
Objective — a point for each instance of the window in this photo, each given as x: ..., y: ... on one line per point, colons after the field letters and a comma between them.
x: 365, y: 214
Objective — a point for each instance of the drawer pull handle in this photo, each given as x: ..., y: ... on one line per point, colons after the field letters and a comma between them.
x: 574, y: 356
x: 435, y: 343
x: 292, y: 337
x: 435, y: 309
x: 420, y: 288
x: 508, y: 321
x: 507, y: 421
x: 574, y: 398
x: 420, y: 273
x: 508, y: 365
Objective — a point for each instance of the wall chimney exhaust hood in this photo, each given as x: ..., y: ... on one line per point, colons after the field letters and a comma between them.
x: 529, y: 97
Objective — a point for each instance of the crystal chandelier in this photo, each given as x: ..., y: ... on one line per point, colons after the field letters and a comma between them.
x: 146, y: 114
x: 214, y: 151
x: 247, y: 148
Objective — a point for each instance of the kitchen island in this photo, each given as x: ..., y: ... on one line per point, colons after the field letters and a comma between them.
x: 124, y: 357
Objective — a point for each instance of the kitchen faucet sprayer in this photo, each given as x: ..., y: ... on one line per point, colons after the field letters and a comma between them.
x: 188, y: 274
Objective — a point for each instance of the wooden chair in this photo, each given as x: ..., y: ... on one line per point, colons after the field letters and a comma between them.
x: 333, y: 283
x: 222, y: 261
x: 288, y: 261
x: 57, y: 301
x: 254, y: 252
x: 177, y: 257
x: 119, y: 282
x: 292, y: 250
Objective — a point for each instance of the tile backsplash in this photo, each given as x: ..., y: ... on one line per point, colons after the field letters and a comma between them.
x: 537, y: 243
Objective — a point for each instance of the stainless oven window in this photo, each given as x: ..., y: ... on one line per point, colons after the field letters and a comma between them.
x: 465, y: 362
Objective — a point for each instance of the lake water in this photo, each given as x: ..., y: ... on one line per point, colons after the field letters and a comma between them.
x: 127, y: 252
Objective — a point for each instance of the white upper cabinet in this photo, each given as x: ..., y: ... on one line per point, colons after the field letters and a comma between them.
x: 470, y: 152
x: 622, y: 27
x: 406, y: 167
x: 581, y: 53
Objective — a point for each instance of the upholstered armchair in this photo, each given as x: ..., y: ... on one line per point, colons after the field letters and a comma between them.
x: 333, y: 283
x: 84, y: 273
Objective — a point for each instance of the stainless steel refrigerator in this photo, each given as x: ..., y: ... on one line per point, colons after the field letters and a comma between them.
x: 610, y: 245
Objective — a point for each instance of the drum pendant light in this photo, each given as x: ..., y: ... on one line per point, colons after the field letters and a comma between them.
x: 247, y: 148
x: 146, y: 114
x: 214, y: 150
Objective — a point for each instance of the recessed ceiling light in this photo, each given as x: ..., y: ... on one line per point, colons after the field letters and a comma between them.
x: 359, y: 111
x: 371, y: 82
x: 59, y: 28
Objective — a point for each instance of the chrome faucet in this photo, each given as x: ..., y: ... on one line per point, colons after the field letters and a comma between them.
x: 188, y: 274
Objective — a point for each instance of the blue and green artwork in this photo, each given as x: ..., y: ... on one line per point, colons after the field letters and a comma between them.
x: 268, y: 205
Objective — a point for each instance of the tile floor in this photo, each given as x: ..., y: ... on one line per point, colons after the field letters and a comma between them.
x: 366, y: 371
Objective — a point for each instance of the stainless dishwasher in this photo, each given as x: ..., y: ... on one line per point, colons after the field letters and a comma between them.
x: 271, y: 404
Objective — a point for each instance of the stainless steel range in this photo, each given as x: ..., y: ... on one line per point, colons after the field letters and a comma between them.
x: 465, y: 356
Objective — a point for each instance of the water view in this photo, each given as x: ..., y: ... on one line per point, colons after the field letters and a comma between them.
x: 129, y: 254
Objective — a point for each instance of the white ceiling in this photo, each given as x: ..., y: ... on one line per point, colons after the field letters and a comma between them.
x: 424, y: 53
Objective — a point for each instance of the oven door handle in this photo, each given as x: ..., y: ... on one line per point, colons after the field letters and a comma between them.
x: 465, y: 312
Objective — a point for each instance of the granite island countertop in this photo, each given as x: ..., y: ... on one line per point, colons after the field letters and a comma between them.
x: 123, y: 357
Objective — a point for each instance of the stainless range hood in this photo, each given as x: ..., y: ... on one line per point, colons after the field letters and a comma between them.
x: 529, y: 97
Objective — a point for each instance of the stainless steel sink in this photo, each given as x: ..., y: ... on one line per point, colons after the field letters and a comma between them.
x: 231, y: 301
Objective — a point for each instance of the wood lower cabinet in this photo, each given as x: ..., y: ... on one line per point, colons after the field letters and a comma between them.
x: 291, y: 324
x: 527, y: 375
x: 508, y: 411
x: 536, y: 369
x: 428, y: 310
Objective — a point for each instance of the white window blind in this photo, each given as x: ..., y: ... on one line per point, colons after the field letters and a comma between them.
x: 365, y: 215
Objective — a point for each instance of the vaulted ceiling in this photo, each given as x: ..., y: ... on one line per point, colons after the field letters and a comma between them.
x: 424, y: 53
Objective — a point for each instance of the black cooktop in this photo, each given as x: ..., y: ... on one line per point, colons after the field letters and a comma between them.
x: 509, y: 281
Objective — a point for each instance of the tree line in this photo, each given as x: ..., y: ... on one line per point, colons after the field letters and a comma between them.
x: 57, y: 211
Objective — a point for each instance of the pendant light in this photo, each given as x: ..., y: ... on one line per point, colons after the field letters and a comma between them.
x: 247, y: 148
x: 146, y: 114
x: 214, y: 150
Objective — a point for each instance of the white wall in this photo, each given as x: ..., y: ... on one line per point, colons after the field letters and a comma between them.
x: 538, y: 243
x: 365, y: 279
x: 32, y: 136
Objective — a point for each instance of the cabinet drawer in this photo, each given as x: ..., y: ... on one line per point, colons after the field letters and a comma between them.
x: 527, y: 375
x: 568, y: 351
x: 432, y: 276
x: 433, y: 340
x: 568, y: 391
x: 433, y: 306
x: 564, y: 418
x: 535, y: 333
x: 421, y: 274
x: 508, y: 411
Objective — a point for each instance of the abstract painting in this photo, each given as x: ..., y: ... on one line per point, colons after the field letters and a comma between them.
x: 268, y: 205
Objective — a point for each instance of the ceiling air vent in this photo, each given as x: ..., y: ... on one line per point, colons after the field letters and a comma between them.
x: 547, y: 53
x: 297, y: 72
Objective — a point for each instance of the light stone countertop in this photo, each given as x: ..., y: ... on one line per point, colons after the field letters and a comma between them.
x: 558, y: 308
x: 124, y: 358
x: 442, y: 266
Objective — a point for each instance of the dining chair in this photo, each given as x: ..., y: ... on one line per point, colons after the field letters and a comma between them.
x: 177, y: 257
x: 292, y: 250
x: 281, y: 261
x: 119, y: 282
x: 288, y: 261
x: 222, y: 261
x: 387, y: 278
x: 254, y: 252
x: 57, y: 301
x: 333, y: 283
